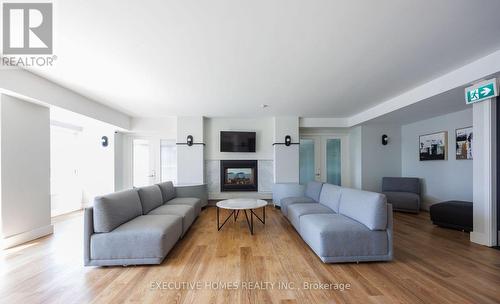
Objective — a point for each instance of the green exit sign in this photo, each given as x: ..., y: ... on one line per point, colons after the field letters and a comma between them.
x: 481, y: 91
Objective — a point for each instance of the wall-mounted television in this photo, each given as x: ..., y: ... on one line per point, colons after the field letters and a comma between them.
x: 231, y: 141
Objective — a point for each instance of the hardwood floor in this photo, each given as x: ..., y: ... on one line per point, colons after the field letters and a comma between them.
x: 432, y: 265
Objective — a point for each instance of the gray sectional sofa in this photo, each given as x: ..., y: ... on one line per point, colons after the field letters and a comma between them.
x: 140, y: 225
x: 340, y: 224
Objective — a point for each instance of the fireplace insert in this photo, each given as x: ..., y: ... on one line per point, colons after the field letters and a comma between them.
x: 238, y: 175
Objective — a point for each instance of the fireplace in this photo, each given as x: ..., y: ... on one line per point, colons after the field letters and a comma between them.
x: 238, y: 175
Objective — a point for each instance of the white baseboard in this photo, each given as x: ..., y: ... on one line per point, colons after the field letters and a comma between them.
x: 228, y: 195
x: 481, y: 239
x: 26, y: 236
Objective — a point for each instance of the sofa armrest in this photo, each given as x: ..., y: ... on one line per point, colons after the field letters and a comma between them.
x: 390, y: 231
x: 283, y: 190
x: 198, y: 191
x: 88, y: 230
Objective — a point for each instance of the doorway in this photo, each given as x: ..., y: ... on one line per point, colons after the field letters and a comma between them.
x: 154, y: 160
x: 66, y: 188
x: 324, y: 158
x: 144, y: 162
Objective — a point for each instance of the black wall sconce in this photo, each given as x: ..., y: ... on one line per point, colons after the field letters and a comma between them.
x: 190, y: 141
x: 288, y: 142
x: 104, y: 141
x: 385, y: 139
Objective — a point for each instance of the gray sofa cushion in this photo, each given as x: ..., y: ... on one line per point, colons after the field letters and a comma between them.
x: 330, y: 196
x: 190, y: 201
x: 401, y: 184
x: 146, y: 236
x: 185, y: 211
x: 368, y: 208
x: 112, y: 210
x: 335, y: 235
x: 288, y: 201
x: 151, y: 198
x: 295, y: 211
x: 313, y: 189
x: 167, y: 191
x: 403, y: 201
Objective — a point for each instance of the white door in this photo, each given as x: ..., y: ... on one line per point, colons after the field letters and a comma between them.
x: 65, y: 185
x: 325, y: 158
x: 144, y: 158
x: 168, y: 160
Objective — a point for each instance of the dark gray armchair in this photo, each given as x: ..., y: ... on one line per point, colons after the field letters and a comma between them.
x: 402, y: 192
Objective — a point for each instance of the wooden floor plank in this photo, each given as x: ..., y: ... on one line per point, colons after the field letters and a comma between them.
x: 431, y: 265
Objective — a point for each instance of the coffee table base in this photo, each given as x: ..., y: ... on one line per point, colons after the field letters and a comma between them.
x: 235, y: 213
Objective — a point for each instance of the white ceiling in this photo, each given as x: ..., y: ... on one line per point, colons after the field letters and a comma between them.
x: 227, y: 57
x: 447, y: 102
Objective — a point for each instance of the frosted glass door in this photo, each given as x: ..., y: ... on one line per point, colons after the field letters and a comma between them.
x: 333, y: 161
x: 324, y: 158
x: 307, y: 166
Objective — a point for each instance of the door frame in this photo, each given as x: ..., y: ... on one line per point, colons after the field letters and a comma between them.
x: 320, y: 141
x: 317, y: 155
x: 154, y: 158
x: 345, y: 179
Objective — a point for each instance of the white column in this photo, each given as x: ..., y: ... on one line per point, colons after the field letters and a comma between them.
x: 25, y: 171
x: 190, y: 160
x: 286, y: 159
x: 484, y: 173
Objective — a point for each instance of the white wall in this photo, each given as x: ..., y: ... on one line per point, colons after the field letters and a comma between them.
x: 441, y: 180
x: 125, y: 167
x: 119, y: 147
x: 286, y: 159
x: 25, y: 172
x: 164, y: 127
x: 378, y: 160
x: 98, y: 163
x: 190, y: 160
x: 356, y: 157
x: 369, y: 160
x: 263, y: 153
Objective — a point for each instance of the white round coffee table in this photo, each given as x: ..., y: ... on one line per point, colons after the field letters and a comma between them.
x: 237, y: 204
